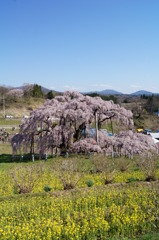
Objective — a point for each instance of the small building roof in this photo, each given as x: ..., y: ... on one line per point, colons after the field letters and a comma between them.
x: 155, y: 135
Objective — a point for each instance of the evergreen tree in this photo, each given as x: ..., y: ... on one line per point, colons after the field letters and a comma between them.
x: 50, y: 95
x: 37, y: 92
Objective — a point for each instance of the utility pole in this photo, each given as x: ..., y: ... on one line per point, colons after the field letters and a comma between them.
x: 4, y: 112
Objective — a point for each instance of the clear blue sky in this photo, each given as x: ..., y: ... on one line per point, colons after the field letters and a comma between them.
x: 80, y: 44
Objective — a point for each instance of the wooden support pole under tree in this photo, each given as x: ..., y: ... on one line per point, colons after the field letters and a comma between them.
x: 41, y: 135
x: 112, y: 153
x: 111, y: 126
x: 96, y: 123
x: 32, y: 144
x: 4, y: 112
x: 45, y: 157
x: 104, y: 152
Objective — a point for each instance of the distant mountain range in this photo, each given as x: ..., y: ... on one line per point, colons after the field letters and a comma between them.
x: 109, y: 92
x: 143, y: 92
x: 113, y: 92
x: 103, y: 92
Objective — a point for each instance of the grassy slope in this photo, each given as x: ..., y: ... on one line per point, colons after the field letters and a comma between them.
x: 22, y: 106
x: 141, y: 117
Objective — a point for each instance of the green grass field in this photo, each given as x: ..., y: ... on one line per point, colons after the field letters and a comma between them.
x: 9, y: 122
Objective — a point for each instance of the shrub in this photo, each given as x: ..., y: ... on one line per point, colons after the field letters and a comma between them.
x: 148, y: 165
x: 131, y: 179
x: 89, y: 182
x: 15, y: 190
x: 68, y: 174
x: 47, y: 189
x: 26, y: 177
x: 123, y: 164
x: 106, y: 167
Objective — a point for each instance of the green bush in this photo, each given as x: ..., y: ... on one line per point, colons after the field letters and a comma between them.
x: 131, y: 179
x: 89, y: 183
x: 47, y: 189
x: 15, y: 190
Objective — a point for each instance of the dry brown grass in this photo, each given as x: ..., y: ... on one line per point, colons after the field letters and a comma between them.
x: 22, y: 107
x: 106, y: 166
x: 148, y: 165
x: 67, y: 171
x: 26, y: 177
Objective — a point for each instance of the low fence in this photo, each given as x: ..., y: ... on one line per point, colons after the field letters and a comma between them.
x: 66, y: 155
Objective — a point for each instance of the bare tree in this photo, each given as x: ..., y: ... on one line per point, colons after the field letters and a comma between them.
x: 148, y: 165
x: 106, y: 167
x: 26, y: 177
x: 67, y: 171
